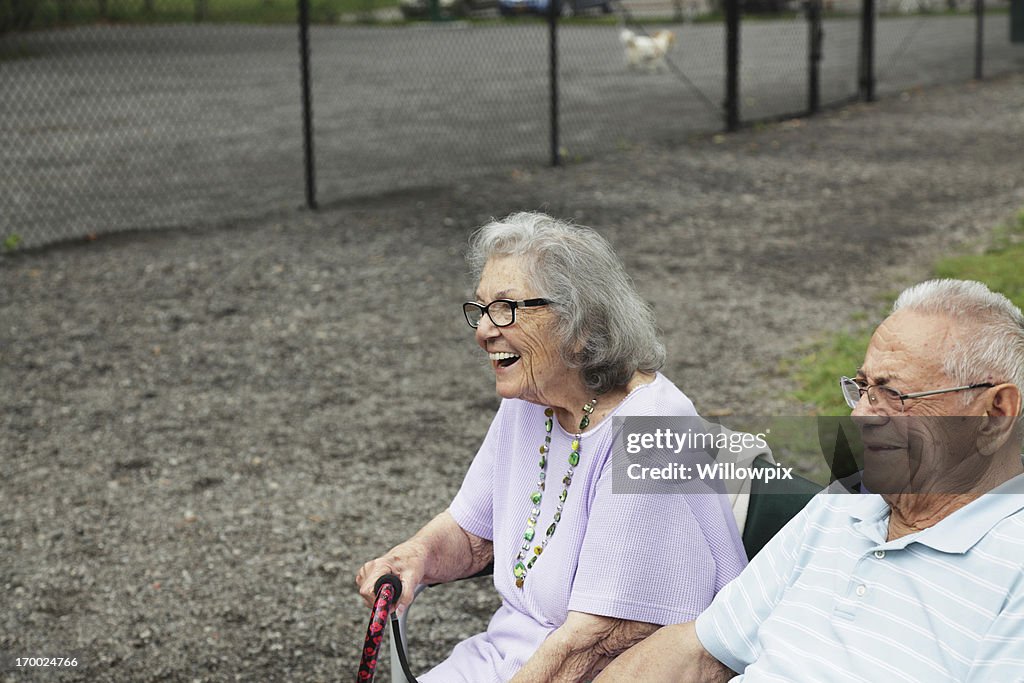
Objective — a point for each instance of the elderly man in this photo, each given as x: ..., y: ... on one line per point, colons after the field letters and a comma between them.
x: 921, y: 580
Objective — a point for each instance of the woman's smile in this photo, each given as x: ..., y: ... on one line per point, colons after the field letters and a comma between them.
x: 503, y: 359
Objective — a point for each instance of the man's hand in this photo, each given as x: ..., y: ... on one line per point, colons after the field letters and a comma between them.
x: 581, y: 647
x: 672, y: 654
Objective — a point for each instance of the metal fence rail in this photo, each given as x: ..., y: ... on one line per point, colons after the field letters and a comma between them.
x: 117, y: 117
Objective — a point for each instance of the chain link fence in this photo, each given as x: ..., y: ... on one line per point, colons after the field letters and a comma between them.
x: 106, y: 128
x: 135, y: 114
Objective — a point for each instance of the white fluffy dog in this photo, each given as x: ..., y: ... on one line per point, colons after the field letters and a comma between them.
x: 647, y: 52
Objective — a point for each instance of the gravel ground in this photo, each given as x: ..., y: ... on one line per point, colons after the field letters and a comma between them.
x: 204, y: 433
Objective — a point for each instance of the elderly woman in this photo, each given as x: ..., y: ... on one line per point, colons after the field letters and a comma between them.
x: 582, y: 573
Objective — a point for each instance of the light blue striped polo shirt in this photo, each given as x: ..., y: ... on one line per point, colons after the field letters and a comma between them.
x: 829, y: 599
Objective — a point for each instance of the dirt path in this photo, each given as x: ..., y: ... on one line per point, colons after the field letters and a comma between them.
x: 196, y: 426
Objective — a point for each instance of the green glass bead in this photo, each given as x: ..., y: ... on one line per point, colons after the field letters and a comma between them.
x: 528, y: 534
x: 536, y: 497
x: 574, y: 458
x: 551, y: 529
x: 529, y: 565
x: 566, y: 480
x: 588, y: 407
x: 575, y: 444
x: 532, y: 521
x: 584, y: 423
x: 548, y: 424
x: 543, y: 463
x: 519, y: 571
x: 549, y: 412
x: 558, y: 516
x: 563, y: 495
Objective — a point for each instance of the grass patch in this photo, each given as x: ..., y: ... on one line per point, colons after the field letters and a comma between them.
x: 53, y: 13
x: 11, y: 52
x: 817, y: 372
x: 1000, y: 267
x: 12, y: 242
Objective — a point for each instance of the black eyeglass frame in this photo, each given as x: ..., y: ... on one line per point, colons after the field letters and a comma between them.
x: 865, y: 389
x: 512, y: 304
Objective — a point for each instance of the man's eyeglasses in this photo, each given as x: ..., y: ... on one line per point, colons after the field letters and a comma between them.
x: 892, y: 401
x: 502, y: 312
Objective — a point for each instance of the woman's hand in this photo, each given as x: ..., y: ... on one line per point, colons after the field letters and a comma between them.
x: 439, y: 552
x: 581, y: 647
x: 406, y: 561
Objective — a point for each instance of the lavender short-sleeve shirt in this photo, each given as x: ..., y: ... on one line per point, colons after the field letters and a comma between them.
x: 644, y: 557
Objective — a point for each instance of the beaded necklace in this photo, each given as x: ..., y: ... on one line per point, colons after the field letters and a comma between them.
x: 521, y: 568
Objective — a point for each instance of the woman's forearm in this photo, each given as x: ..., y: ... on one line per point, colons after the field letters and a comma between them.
x: 440, y: 551
x: 449, y: 551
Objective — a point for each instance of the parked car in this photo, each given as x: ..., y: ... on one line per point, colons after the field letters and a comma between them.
x: 510, y: 8
x: 420, y: 9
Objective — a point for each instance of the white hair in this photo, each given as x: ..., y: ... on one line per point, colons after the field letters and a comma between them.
x: 990, y: 344
x: 607, y: 330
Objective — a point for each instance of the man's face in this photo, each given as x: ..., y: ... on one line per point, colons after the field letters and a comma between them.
x: 931, y: 446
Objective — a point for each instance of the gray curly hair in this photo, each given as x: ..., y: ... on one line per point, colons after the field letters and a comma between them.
x: 993, y: 348
x: 606, y: 330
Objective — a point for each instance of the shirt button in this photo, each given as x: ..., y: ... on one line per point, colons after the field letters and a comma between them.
x: 879, y: 554
x: 861, y: 590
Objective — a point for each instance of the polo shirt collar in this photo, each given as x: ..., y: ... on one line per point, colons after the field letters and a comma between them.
x: 961, y: 530
x: 958, y: 532
x: 870, y: 512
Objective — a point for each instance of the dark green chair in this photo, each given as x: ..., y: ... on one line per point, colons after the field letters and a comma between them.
x: 772, y: 504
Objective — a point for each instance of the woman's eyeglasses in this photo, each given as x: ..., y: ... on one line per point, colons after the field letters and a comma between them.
x: 502, y: 312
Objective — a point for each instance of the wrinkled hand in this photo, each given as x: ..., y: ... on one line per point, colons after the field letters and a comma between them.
x: 406, y: 561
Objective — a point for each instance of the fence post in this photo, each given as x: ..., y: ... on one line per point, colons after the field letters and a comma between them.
x: 732, y: 64
x: 979, y: 39
x: 866, y: 79
x: 815, y: 35
x: 307, y: 104
x: 554, y: 7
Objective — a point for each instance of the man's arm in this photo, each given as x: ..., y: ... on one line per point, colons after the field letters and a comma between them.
x: 578, y: 649
x: 672, y: 654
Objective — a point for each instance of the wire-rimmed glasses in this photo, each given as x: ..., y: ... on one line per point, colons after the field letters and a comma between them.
x: 887, y: 398
x: 502, y: 312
